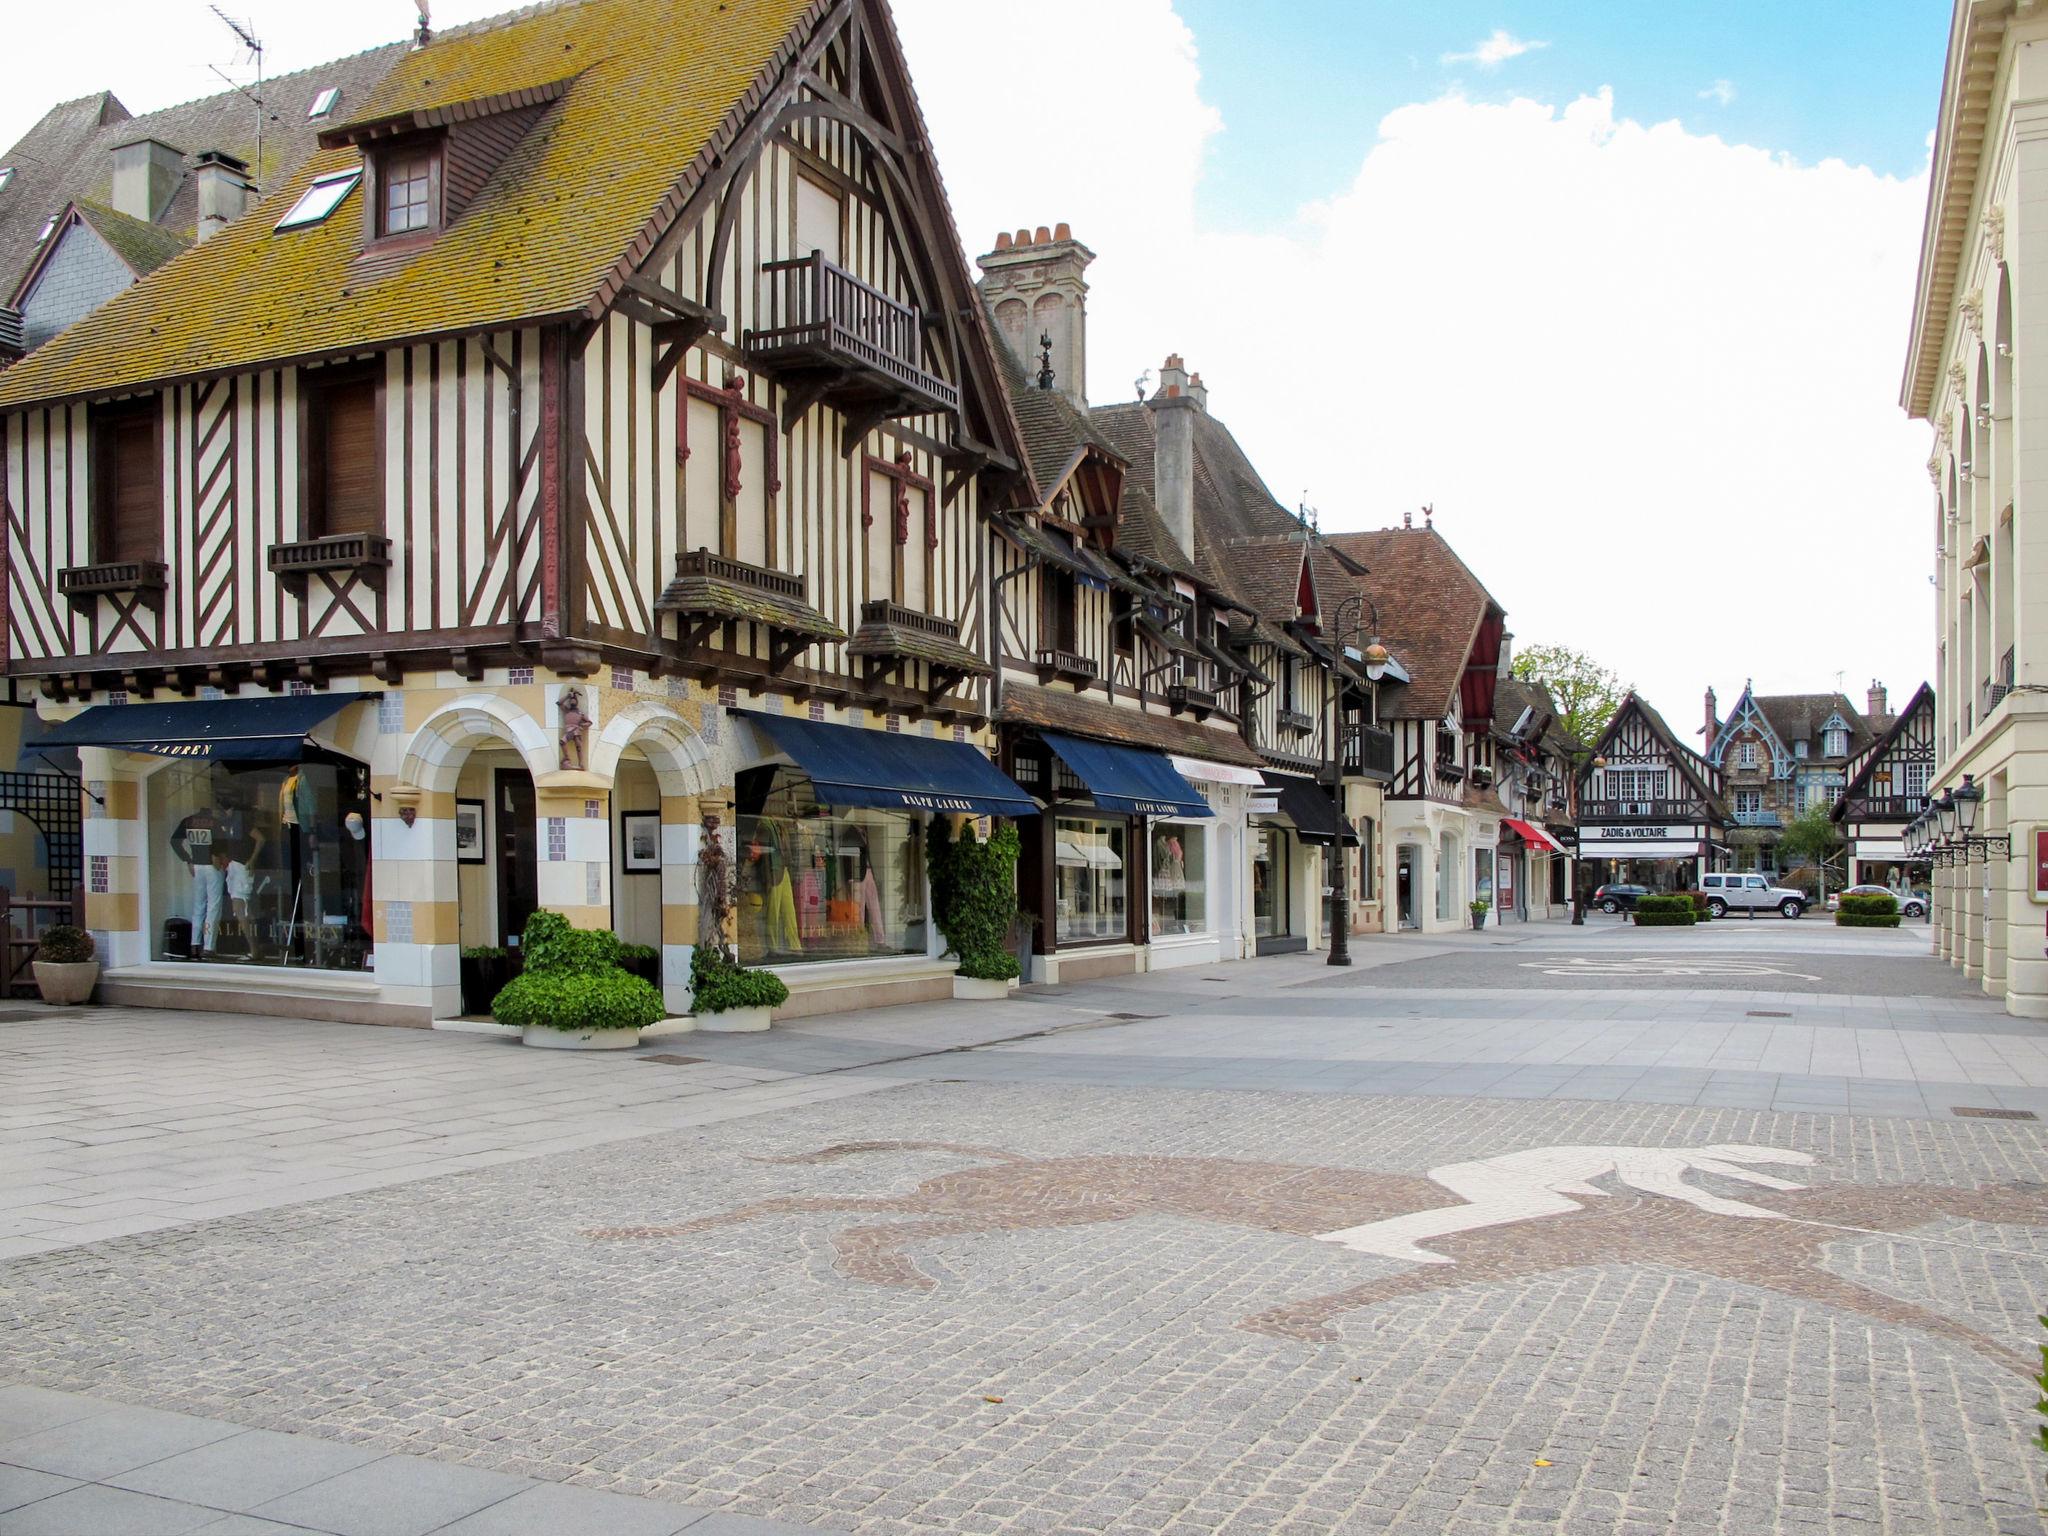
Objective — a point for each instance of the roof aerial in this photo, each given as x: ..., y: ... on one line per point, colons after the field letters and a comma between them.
x: 321, y: 198
x: 324, y: 102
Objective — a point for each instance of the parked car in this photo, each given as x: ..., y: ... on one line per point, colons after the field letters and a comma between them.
x: 1619, y: 898
x: 1750, y: 893
x: 1911, y: 903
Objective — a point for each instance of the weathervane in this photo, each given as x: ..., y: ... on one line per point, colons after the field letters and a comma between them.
x: 1045, y: 373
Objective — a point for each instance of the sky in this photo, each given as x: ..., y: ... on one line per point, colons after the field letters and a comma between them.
x: 1619, y: 290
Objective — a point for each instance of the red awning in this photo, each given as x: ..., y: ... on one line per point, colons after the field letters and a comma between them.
x: 1532, y: 834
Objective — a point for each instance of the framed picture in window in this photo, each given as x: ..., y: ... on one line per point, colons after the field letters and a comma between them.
x: 469, y: 832
x: 642, y: 841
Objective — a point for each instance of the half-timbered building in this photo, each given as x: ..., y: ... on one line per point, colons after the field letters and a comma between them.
x: 1534, y: 759
x: 583, y: 454
x: 1651, y: 811
x: 1783, y: 754
x: 1449, y: 640
x: 1888, y: 787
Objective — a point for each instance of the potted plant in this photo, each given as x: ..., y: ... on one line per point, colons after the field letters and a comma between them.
x: 572, y: 994
x: 974, y: 903
x: 484, y: 974
x: 1479, y: 907
x: 727, y: 997
x: 67, y: 964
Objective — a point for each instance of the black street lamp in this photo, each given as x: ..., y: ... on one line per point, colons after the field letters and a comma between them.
x: 1596, y: 762
x: 1375, y: 657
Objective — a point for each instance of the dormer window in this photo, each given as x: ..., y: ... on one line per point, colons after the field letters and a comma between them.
x: 409, y: 189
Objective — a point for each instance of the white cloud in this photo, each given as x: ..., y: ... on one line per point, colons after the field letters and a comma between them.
x: 1494, y: 50
x: 1720, y: 92
x: 1646, y: 377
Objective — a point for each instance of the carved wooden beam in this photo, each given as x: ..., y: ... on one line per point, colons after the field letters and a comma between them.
x: 468, y: 662
x: 388, y: 667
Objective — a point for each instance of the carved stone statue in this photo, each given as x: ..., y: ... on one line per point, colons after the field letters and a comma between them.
x: 575, y: 729
x: 714, y: 887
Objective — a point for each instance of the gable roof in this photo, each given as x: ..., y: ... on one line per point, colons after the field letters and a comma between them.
x: 542, y: 238
x: 1431, y: 605
x: 1800, y: 717
x: 1921, y: 702
x: 1057, y: 434
x: 1512, y: 695
x: 1688, y: 762
x: 67, y: 157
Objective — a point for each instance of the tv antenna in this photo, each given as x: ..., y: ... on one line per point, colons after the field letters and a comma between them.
x: 245, y: 34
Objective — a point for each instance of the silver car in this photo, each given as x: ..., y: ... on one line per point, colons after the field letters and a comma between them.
x: 1752, y: 893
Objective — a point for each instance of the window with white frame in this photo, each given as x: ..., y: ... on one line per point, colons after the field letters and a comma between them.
x: 1633, y: 784
x: 1913, y: 779
x: 1835, y: 742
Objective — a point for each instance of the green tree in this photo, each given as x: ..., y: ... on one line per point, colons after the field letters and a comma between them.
x: 1811, y: 837
x: 1587, y: 694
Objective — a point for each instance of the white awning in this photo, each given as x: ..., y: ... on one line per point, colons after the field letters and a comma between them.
x: 1605, y: 848
x: 1213, y: 773
x: 1878, y: 848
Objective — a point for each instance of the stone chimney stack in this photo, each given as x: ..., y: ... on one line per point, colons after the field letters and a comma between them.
x: 1876, y: 700
x: 224, y: 191
x: 1033, y: 284
x: 1713, y: 726
x: 146, y: 174
x: 1173, y: 410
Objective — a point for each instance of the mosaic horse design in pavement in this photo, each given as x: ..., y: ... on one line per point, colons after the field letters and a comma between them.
x: 1517, y: 1219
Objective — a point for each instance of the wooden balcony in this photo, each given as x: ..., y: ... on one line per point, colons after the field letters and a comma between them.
x: 1449, y: 771
x: 1643, y: 810
x: 1192, y: 699
x: 84, y: 585
x: 1297, y: 721
x: 831, y: 337
x: 1758, y: 819
x: 1369, y: 753
x: 366, y: 554
x: 1053, y: 662
x: 1883, y: 807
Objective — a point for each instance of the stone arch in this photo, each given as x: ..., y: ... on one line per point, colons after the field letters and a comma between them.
x: 433, y: 758
x: 681, y: 761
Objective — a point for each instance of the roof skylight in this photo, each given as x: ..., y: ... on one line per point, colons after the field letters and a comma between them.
x: 49, y: 227
x: 6, y: 175
x: 321, y: 198
x: 324, y: 102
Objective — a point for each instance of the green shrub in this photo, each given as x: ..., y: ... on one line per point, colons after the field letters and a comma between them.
x: 974, y: 896
x: 1866, y: 920
x: 1665, y: 911
x: 1701, y: 912
x: 66, y: 944
x: 718, y: 983
x: 483, y: 952
x: 642, y: 952
x: 556, y: 999
x: 551, y: 945
x: 1868, y: 911
x: 1479, y: 906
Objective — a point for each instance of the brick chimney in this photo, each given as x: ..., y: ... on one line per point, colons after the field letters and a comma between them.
x: 146, y: 174
x: 1876, y: 700
x: 1713, y: 726
x: 1173, y: 409
x: 223, y: 190
x: 1033, y: 283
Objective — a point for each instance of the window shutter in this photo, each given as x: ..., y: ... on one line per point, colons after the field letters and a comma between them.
x: 131, y: 494
x: 352, y: 495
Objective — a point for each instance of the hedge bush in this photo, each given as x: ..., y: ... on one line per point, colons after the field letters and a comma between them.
x: 1872, y: 911
x: 719, y: 983
x: 65, y: 944
x: 1665, y: 911
x: 974, y: 897
x: 1701, y: 912
x: 572, y: 980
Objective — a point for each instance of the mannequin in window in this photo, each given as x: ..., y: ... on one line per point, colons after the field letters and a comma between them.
x: 192, y: 842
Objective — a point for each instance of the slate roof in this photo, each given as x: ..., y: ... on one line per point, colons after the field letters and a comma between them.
x: 1430, y: 604
x: 1800, y: 716
x: 67, y: 157
x: 644, y: 89
x: 1512, y: 694
x: 1103, y: 721
x: 1057, y: 433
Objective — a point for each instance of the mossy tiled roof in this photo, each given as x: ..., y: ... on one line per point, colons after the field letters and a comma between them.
x: 648, y: 84
x: 1104, y: 721
x: 717, y: 597
x: 887, y: 639
x: 142, y: 246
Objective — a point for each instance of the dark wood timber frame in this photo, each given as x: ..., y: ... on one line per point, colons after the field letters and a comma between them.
x: 733, y: 408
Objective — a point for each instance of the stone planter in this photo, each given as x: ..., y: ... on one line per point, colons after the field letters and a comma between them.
x: 735, y: 1021
x: 579, y: 1039
x: 1478, y: 920
x: 978, y: 989
x: 62, y: 984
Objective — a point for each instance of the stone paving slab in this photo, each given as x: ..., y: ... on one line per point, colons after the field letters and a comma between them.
x: 244, y: 1482
x: 1061, y: 1308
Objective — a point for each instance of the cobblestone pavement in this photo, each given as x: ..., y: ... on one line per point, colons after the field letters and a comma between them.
x: 1247, y: 1289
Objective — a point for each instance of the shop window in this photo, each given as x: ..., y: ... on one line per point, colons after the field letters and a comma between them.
x: 1482, y: 875
x: 127, y: 483
x: 1091, y: 900
x: 1366, y: 832
x: 344, y: 490
x: 261, y: 863
x: 826, y: 883
x: 1270, y: 876
x: 1180, y: 878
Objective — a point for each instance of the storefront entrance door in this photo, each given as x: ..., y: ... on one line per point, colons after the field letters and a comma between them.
x: 518, y: 850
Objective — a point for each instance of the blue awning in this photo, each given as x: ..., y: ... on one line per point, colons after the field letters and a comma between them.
x: 260, y: 730
x: 1128, y: 779
x: 850, y: 766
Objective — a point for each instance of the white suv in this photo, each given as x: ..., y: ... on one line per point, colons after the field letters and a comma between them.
x: 1750, y: 892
